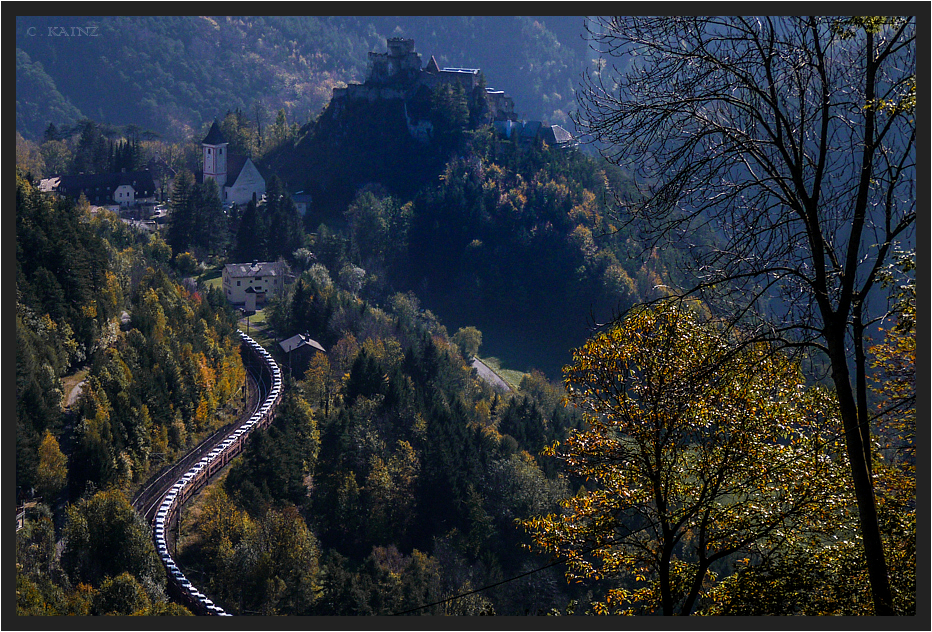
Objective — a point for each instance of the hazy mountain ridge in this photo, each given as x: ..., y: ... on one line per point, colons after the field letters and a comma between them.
x: 173, y: 74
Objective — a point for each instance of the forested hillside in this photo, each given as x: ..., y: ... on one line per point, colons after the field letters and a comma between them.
x: 667, y: 447
x: 516, y: 238
x: 391, y: 479
x: 160, y: 366
x: 171, y: 75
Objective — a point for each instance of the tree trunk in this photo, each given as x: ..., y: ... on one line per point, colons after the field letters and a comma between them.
x: 860, y: 474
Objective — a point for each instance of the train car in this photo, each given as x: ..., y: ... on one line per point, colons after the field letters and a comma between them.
x: 198, y: 475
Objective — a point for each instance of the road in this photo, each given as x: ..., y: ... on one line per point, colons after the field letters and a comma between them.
x: 490, y: 376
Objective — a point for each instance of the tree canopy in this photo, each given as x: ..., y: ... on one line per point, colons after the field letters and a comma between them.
x: 794, y: 138
x: 696, y: 451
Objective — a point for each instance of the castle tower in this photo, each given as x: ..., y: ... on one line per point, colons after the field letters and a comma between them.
x: 214, y: 149
x: 399, y: 65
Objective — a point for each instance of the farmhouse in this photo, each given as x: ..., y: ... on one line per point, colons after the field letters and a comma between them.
x: 299, y: 350
x: 125, y: 189
x: 252, y: 284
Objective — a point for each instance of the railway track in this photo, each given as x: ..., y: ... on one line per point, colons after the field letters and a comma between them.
x: 161, y: 499
x: 147, y: 499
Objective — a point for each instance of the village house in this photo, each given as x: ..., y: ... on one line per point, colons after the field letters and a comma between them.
x: 299, y: 350
x: 237, y: 177
x: 251, y: 284
x: 301, y: 201
x: 127, y: 189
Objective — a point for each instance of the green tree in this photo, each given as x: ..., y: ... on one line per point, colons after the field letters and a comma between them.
x: 90, y: 155
x: 697, y: 450
x: 121, y: 595
x: 286, y: 232
x: 211, y: 226
x: 56, y: 156
x: 743, y: 120
x: 390, y: 492
x: 52, y: 473
x: 104, y: 536
x: 449, y: 113
x: 242, y: 136
x: 468, y: 339
x: 278, y: 461
x: 182, y: 223
x: 279, y: 133
x: 251, y: 236
x: 279, y: 565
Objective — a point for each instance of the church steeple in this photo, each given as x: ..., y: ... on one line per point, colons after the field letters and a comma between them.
x: 214, y: 149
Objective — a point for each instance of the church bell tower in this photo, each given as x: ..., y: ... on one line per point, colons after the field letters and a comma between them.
x: 214, y: 149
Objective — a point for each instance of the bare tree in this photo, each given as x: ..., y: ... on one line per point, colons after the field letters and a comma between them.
x: 791, y: 140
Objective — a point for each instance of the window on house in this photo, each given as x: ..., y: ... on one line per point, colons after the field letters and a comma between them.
x: 238, y: 283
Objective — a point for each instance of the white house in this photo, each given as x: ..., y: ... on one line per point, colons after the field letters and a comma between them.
x: 124, y: 195
x: 125, y: 188
x: 237, y: 177
x: 263, y: 279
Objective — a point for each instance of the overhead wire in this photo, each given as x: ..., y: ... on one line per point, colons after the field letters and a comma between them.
x: 819, y: 444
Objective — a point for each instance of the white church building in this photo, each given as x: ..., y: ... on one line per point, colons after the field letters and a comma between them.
x: 236, y: 176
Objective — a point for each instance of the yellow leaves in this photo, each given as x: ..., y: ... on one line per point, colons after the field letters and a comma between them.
x: 89, y: 310
x: 52, y: 470
x: 708, y: 443
x: 388, y: 352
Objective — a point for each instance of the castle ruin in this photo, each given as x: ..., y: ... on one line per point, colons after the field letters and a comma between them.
x: 397, y: 75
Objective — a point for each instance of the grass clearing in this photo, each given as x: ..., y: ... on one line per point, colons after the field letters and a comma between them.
x: 212, y: 277
x: 70, y: 381
x: 258, y: 318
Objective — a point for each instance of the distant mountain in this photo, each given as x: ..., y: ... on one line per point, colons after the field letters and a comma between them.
x: 172, y: 74
x: 38, y: 101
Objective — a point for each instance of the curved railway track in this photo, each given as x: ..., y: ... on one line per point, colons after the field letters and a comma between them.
x: 160, y: 501
x: 148, y: 498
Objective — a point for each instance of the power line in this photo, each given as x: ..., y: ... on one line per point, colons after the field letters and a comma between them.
x: 522, y: 575
x: 821, y: 443
x: 478, y: 590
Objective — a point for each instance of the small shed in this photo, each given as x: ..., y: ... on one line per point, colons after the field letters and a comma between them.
x: 299, y: 350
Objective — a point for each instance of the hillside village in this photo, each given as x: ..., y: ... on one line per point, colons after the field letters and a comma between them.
x: 397, y: 75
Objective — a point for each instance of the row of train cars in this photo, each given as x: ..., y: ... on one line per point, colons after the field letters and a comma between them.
x: 196, y: 477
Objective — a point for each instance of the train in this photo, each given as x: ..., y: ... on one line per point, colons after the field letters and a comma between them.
x: 198, y: 475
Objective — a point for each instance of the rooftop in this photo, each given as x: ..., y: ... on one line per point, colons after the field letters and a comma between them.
x: 214, y: 136
x: 256, y: 268
x: 300, y: 340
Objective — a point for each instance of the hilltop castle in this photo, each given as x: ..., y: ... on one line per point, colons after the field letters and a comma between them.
x: 397, y: 75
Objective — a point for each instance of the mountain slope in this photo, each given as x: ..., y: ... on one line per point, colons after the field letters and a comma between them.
x: 173, y: 74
